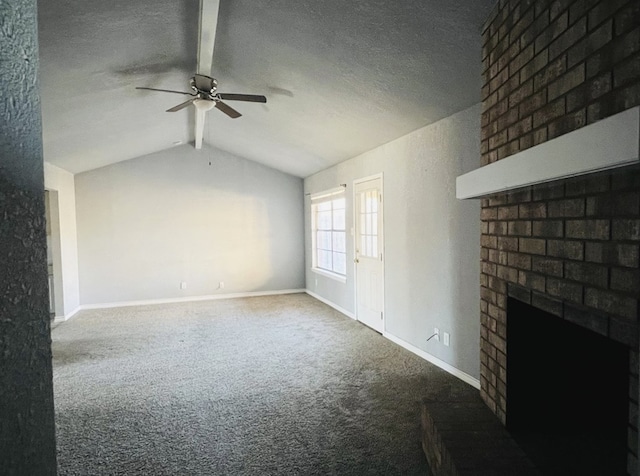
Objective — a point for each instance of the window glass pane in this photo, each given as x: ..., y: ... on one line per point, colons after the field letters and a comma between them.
x: 339, y: 241
x: 324, y: 206
x: 338, y: 220
x: 324, y: 240
x: 369, y: 227
x: 374, y: 201
x: 363, y: 244
x: 374, y: 223
x: 340, y: 263
x: 339, y: 203
x: 374, y: 246
x: 324, y: 259
x: 324, y: 220
x: 368, y: 206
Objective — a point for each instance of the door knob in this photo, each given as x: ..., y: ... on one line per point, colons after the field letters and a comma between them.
x: 356, y: 260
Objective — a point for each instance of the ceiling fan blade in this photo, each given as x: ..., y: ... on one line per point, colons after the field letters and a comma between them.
x: 228, y: 110
x: 165, y: 91
x: 243, y: 97
x: 204, y: 83
x: 181, y: 106
x: 207, y: 34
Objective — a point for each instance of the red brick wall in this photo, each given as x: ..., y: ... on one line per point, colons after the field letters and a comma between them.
x: 571, y: 247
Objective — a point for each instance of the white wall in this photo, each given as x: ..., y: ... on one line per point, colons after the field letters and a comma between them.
x: 62, y: 182
x: 432, y: 248
x: 146, y: 225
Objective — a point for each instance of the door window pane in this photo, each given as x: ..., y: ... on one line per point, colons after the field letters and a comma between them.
x: 368, y: 222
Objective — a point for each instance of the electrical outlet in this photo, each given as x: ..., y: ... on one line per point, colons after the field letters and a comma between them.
x: 221, y: 285
x: 445, y: 338
x: 183, y: 285
x: 436, y: 331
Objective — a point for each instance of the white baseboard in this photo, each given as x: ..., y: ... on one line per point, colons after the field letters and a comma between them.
x: 330, y: 304
x: 67, y: 316
x: 212, y: 297
x: 465, y: 377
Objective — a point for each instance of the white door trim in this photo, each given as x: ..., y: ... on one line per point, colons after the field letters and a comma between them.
x: 53, y: 220
x: 354, y: 240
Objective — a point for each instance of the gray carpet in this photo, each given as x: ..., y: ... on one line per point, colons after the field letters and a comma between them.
x: 280, y: 385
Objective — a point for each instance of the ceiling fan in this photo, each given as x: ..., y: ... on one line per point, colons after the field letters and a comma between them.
x: 205, y: 97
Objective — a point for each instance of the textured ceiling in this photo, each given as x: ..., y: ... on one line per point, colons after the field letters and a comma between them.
x: 341, y: 77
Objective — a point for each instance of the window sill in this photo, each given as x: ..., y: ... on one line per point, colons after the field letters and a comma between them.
x: 329, y: 274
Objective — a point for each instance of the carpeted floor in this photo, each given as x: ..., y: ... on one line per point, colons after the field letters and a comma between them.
x: 280, y: 385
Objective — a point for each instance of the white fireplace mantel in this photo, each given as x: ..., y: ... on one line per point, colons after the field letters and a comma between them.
x: 606, y: 144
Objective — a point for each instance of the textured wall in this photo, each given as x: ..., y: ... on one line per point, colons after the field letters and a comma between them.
x: 146, y: 225
x: 27, y: 433
x: 571, y: 247
x: 430, y: 267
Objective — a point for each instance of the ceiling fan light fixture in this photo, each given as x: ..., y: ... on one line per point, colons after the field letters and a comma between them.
x: 204, y: 104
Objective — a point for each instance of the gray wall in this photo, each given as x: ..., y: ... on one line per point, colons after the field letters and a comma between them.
x: 432, y: 247
x: 148, y: 224
x: 27, y: 432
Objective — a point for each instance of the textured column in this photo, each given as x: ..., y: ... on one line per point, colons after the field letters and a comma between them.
x: 27, y: 430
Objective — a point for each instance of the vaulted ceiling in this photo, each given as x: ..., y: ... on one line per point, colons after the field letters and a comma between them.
x: 341, y: 77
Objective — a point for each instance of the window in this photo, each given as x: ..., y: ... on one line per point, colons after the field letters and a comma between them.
x: 328, y: 232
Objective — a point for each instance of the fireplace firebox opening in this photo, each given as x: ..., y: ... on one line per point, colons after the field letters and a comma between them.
x: 567, y: 393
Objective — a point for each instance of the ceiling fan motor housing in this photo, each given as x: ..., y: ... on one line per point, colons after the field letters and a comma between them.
x: 198, y: 86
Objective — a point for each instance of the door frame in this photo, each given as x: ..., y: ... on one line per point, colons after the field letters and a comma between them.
x: 53, y: 221
x: 355, y: 245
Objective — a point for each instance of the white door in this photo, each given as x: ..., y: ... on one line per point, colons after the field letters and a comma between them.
x: 368, y: 253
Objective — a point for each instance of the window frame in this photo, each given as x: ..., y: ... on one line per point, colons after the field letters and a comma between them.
x: 317, y: 199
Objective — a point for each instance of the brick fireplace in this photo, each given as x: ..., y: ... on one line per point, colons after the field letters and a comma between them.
x: 571, y: 247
